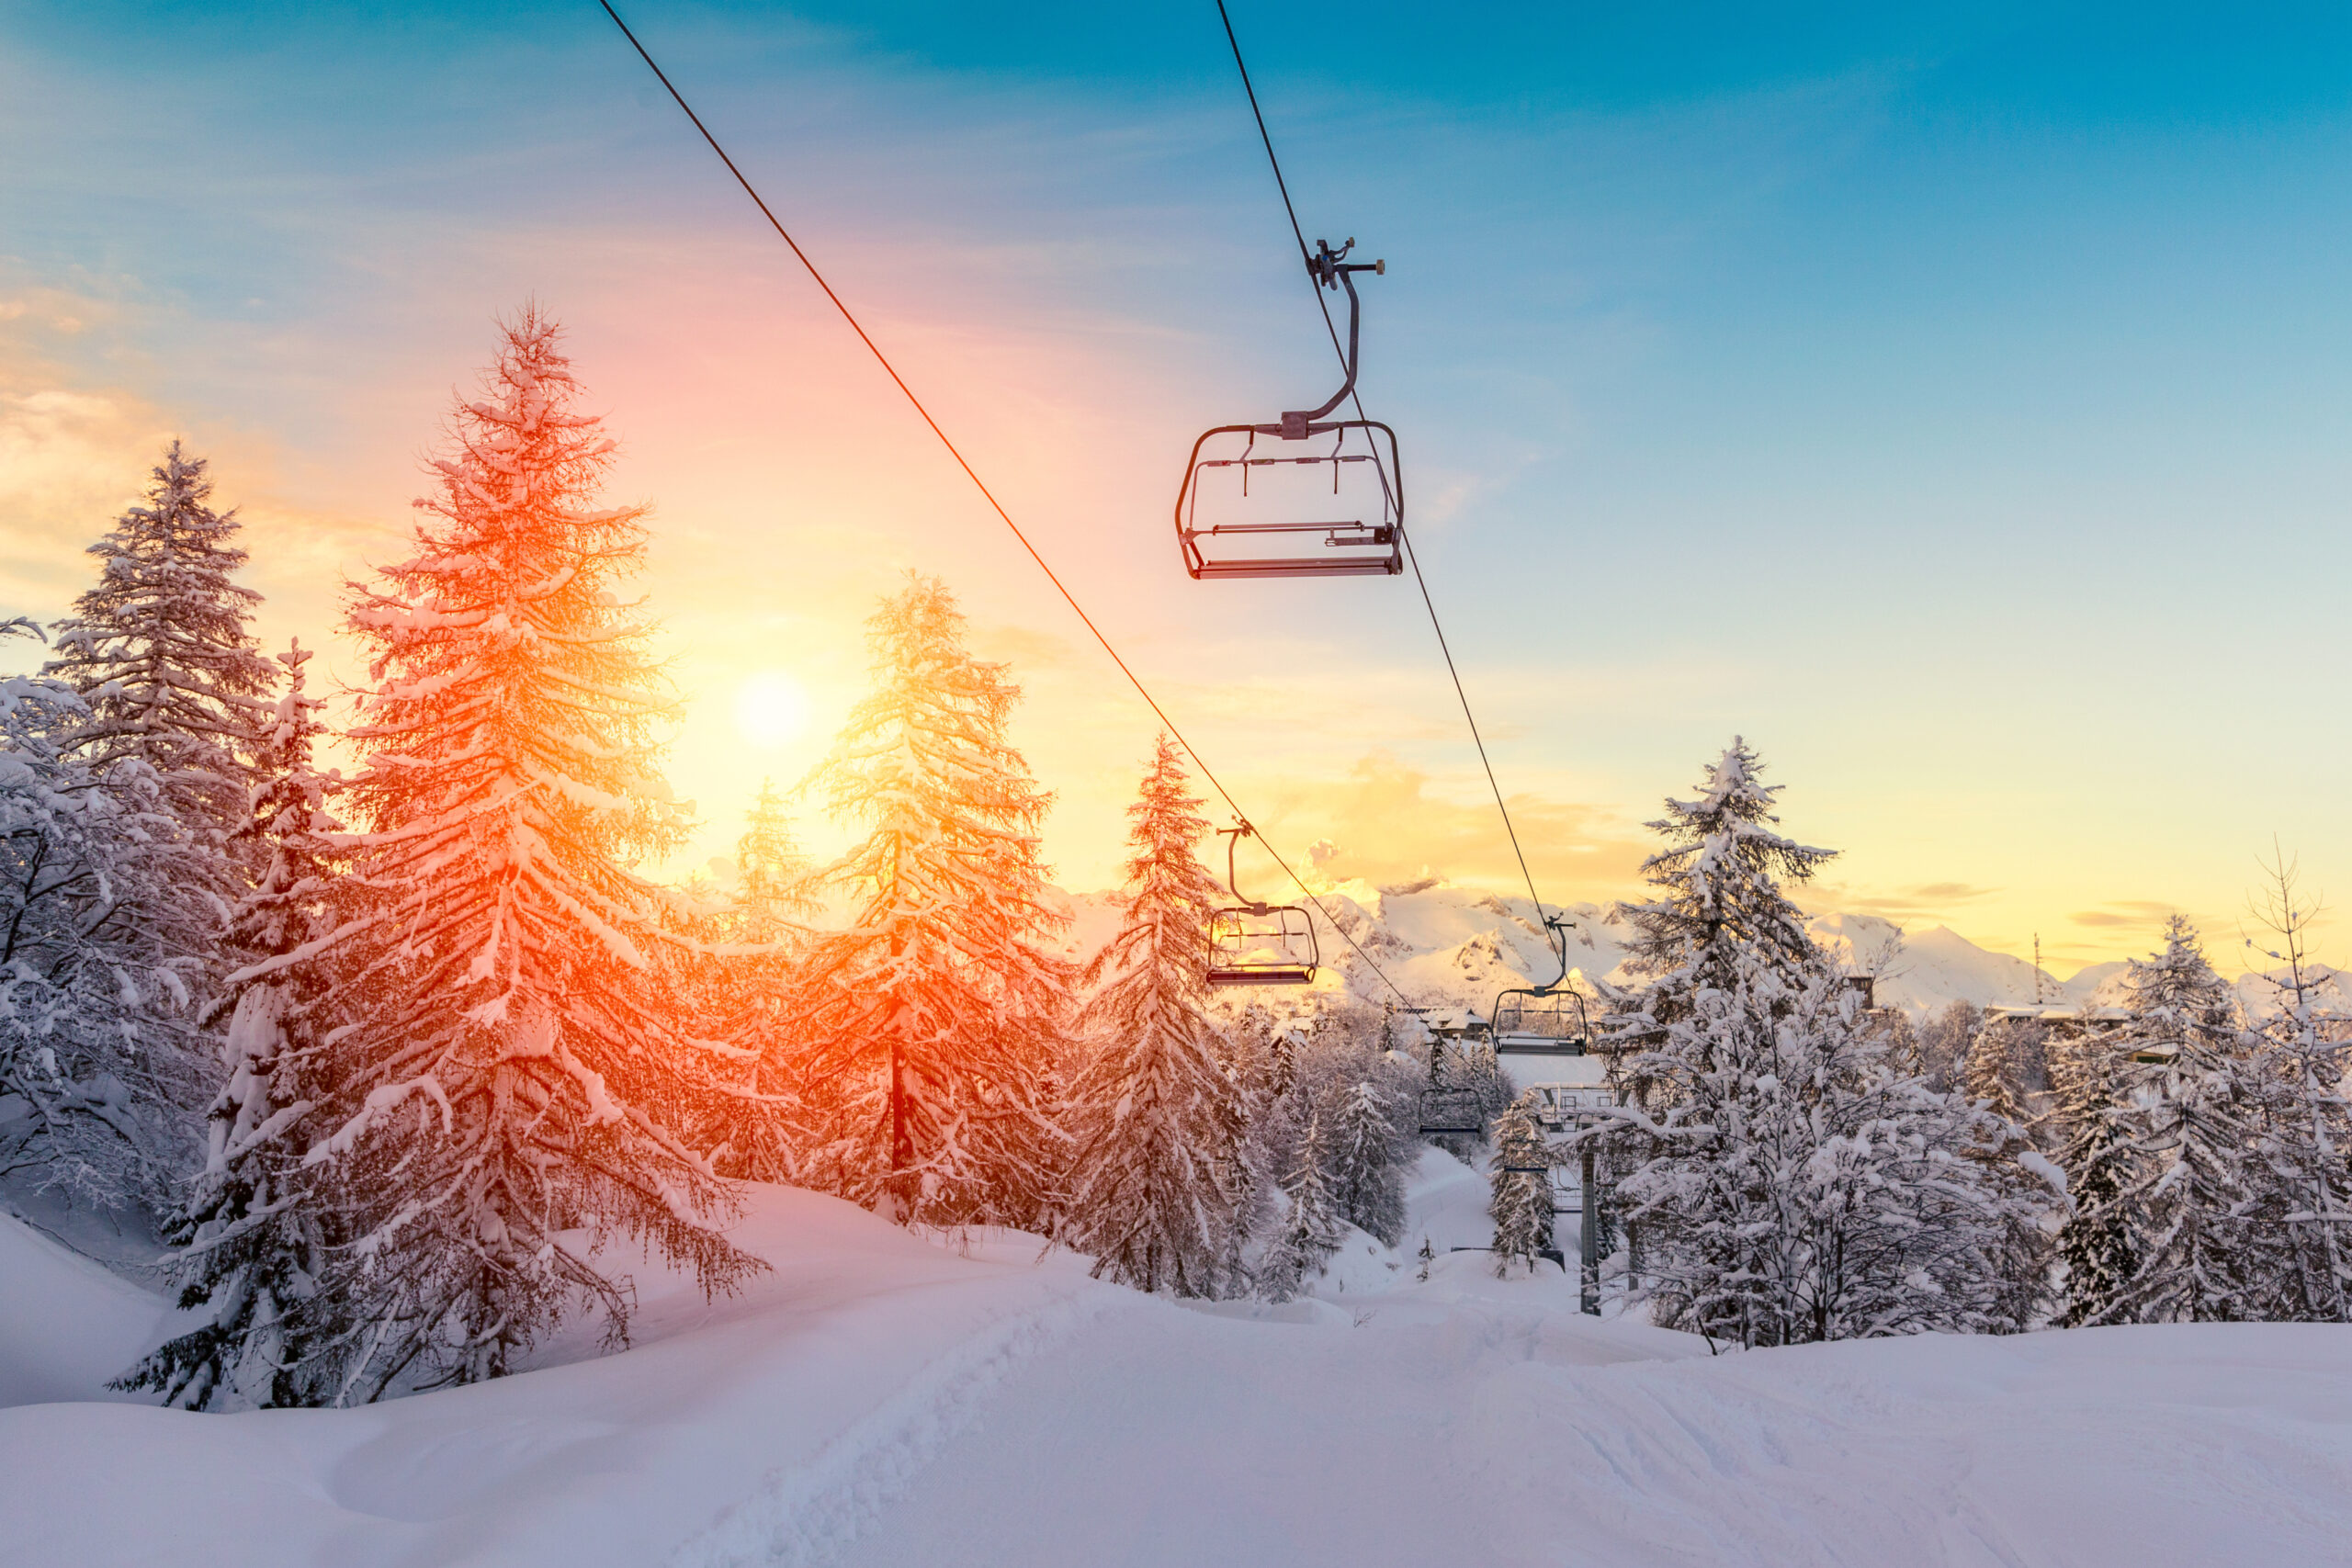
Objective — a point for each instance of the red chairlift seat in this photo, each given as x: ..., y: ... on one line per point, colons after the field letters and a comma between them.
x: 1358, y: 532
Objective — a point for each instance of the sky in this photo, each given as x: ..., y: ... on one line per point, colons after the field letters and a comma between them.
x: 1949, y: 401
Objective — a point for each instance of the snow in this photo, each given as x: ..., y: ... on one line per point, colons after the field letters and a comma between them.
x: 883, y: 1398
x: 66, y: 1324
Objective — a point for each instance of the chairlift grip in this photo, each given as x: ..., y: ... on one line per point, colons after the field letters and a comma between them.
x: 1330, y: 271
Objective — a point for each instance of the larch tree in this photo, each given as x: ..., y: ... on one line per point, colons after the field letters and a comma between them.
x: 1520, y: 1196
x: 1152, y: 1113
x: 507, y: 1065
x: 248, y: 1246
x: 936, y: 1021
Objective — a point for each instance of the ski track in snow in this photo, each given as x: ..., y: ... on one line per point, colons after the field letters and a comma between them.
x: 804, y: 1517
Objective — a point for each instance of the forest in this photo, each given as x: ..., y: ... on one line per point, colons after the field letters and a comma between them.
x: 381, y: 1026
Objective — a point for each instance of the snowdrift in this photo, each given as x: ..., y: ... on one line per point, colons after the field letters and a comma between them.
x: 885, y: 1399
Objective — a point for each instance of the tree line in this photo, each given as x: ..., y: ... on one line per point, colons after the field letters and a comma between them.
x: 1788, y: 1163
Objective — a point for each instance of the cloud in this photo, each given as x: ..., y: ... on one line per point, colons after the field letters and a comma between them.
x: 2126, y: 913
x: 1923, y: 900
x: 1383, y: 824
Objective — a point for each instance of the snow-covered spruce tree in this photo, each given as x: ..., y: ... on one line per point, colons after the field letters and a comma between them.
x: 1367, y: 1173
x: 160, y: 650
x: 1720, y: 915
x: 2103, y: 1161
x: 934, y: 1021
x: 503, y: 1060
x: 101, y: 956
x: 747, y: 983
x: 1945, y: 1042
x: 2197, y: 1106
x: 1151, y: 1110
x: 1311, y: 1227
x: 248, y: 1246
x: 1797, y: 1189
x: 1520, y: 1200
x: 1989, y: 1076
x: 2302, y: 1186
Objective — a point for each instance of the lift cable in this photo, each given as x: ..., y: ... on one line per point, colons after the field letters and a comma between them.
x: 1412, y: 560
x: 989, y: 495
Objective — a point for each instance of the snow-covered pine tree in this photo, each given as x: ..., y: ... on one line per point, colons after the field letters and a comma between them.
x: 2176, y: 993
x: 1797, y: 1189
x: 1720, y: 914
x: 2198, y: 1107
x: 100, y: 958
x: 160, y: 650
x: 2103, y: 1161
x: 935, y: 1019
x: 248, y: 1246
x: 1945, y: 1042
x: 1310, y: 1230
x: 1520, y: 1198
x: 1989, y: 1074
x: 1367, y: 1178
x: 505, y: 1067
x: 1151, y: 1111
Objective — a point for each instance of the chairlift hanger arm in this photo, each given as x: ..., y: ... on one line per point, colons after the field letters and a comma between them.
x: 1233, y: 836
x: 1330, y: 269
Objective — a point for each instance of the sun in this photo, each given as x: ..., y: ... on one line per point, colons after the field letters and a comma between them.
x: 771, y: 710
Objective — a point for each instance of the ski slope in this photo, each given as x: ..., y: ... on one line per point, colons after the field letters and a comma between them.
x: 881, y: 1399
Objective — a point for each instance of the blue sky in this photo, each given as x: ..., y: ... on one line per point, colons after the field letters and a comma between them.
x: 1949, y: 400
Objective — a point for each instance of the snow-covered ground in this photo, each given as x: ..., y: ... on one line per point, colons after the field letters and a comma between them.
x: 882, y: 1399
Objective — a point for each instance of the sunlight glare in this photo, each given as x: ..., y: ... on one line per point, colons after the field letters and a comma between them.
x: 771, y: 710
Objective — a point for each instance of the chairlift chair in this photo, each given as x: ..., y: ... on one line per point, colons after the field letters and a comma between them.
x: 1543, y: 1020
x: 1448, y: 1113
x: 1253, y: 943
x: 1357, y: 531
